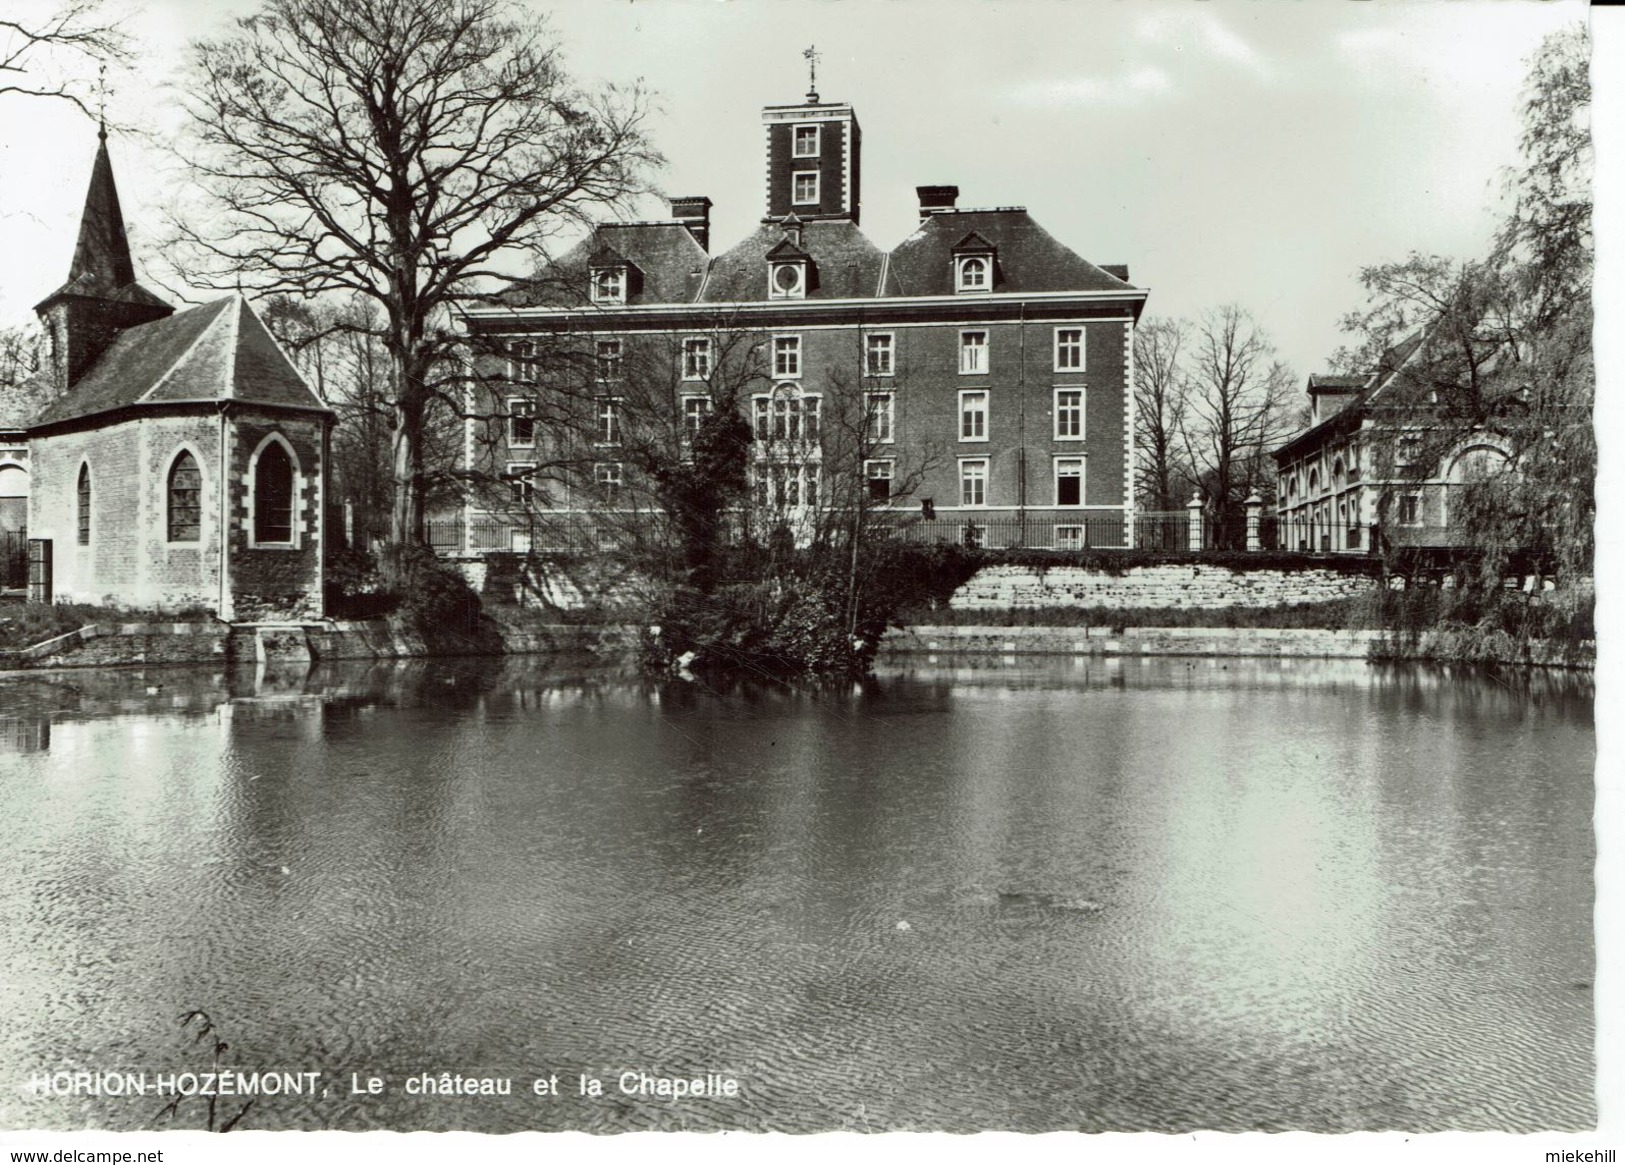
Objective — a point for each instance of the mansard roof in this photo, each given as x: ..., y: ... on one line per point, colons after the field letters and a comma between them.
x: 667, y: 256
x: 1030, y: 258
x: 849, y: 265
x: 1369, y: 387
x: 102, y: 267
x: 219, y: 352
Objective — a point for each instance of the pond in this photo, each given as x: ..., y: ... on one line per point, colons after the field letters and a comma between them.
x: 1098, y: 894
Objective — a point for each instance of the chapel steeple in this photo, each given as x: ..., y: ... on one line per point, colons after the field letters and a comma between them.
x: 101, y: 297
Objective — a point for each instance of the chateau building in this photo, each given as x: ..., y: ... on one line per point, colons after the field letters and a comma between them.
x: 977, y: 378
x: 169, y: 459
x: 1376, y: 462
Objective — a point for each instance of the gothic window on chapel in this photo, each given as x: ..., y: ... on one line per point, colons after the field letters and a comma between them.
x: 273, y: 496
x: 185, y: 499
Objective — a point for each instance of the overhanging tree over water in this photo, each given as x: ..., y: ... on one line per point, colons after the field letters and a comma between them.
x: 397, y: 151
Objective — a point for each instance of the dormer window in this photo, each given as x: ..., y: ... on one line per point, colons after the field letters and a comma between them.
x: 973, y: 264
x: 973, y: 274
x: 609, y: 285
x: 806, y: 139
x: 788, y: 281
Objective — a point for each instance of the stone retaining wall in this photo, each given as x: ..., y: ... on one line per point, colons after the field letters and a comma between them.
x: 1178, y: 587
x: 1244, y: 641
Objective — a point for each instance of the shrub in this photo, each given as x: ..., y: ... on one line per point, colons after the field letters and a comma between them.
x: 436, y: 602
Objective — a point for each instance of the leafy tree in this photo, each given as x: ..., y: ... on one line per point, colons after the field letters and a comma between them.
x: 397, y: 151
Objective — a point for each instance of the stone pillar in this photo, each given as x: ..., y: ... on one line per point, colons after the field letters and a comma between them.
x: 1193, y: 525
x: 1255, y: 516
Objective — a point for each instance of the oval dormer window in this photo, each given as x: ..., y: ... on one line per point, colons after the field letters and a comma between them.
x: 789, y: 280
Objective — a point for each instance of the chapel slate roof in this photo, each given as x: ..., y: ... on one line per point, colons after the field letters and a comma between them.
x: 221, y: 351
x: 846, y: 264
x: 1028, y: 257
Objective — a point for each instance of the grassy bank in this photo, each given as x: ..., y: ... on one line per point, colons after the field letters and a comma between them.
x: 25, y: 624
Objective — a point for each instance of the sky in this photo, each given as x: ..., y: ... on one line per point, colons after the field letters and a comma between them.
x: 1252, y: 153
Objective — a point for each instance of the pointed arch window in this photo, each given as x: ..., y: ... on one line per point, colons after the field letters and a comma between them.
x: 273, y: 495
x: 185, y: 500
x: 84, y: 505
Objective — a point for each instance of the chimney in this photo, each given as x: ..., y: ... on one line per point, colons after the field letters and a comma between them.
x: 936, y: 198
x: 695, y: 214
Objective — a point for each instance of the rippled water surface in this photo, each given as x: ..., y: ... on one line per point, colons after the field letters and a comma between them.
x: 1101, y: 894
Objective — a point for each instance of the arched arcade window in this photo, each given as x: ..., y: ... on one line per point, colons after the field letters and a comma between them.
x: 273, y: 495
x: 185, y: 499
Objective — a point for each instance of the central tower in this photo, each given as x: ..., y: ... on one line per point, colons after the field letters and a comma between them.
x: 813, y: 160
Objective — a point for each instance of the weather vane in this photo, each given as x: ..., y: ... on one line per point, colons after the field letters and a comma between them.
x: 101, y: 99
x: 811, y: 54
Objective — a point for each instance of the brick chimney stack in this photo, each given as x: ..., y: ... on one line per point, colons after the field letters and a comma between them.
x: 936, y: 198
x: 695, y: 214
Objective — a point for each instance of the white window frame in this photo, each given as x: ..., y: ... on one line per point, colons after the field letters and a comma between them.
x: 521, y: 409
x: 795, y: 186
x: 608, y: 473
x: 798, y: 291
x: 887, y: 467
x: 967, y: 350
x: 965, y: 464
x: 795, y: 141
x: 1082, y: 411
x: 296, y: 525
x: 521, y: 488
x: 887, y: 345
x: 1077, y: 542
x: 880, y: 407
x: 1413, y: 495
x: 609, y: 285
x: 697, y: 358
x: 962, y: 265
x: 800, y: 416
x: 522, y: 362
x: 791, y: 368
x: 607, y: 356
x: 968, y: 396
x: 691, y: 426
x: 1082, y: 464
x: 1061, y: 347
x: 608, y: 423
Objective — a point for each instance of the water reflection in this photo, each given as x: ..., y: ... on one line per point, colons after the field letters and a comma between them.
x: 1092, y: 893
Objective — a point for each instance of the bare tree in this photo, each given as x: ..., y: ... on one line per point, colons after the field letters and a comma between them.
x: 1236, y: 413
x: 54, y: 53
x: 1160, y: 385
x: 398, y: 151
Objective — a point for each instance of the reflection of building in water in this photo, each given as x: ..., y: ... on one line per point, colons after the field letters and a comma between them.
x: 25, y: 734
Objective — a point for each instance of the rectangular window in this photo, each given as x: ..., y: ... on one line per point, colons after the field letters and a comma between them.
x: 972, y: 352
x: 520, y: 483
x: 609, y: 421
x: 696, y: 359
x: 1069, y: 538
x: 879, y: 475
x: 806, y: 141
x: 787, y: 417
x: 877, y: 354
x: 607, y: 474
x: 1410, y: 509
x: 973, y: 482
x: 881, y: 415
x: 804, y: 188
x: 1069, y: 349
x: 521, y: 423
x: 1069, y: 481
x: 973, y: 415
x: 609, y: 285
x: 522, y: 362
x: 695, y: 410
x: 1068, y: 414
x: 609, y: 359
x: 786, y: 357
